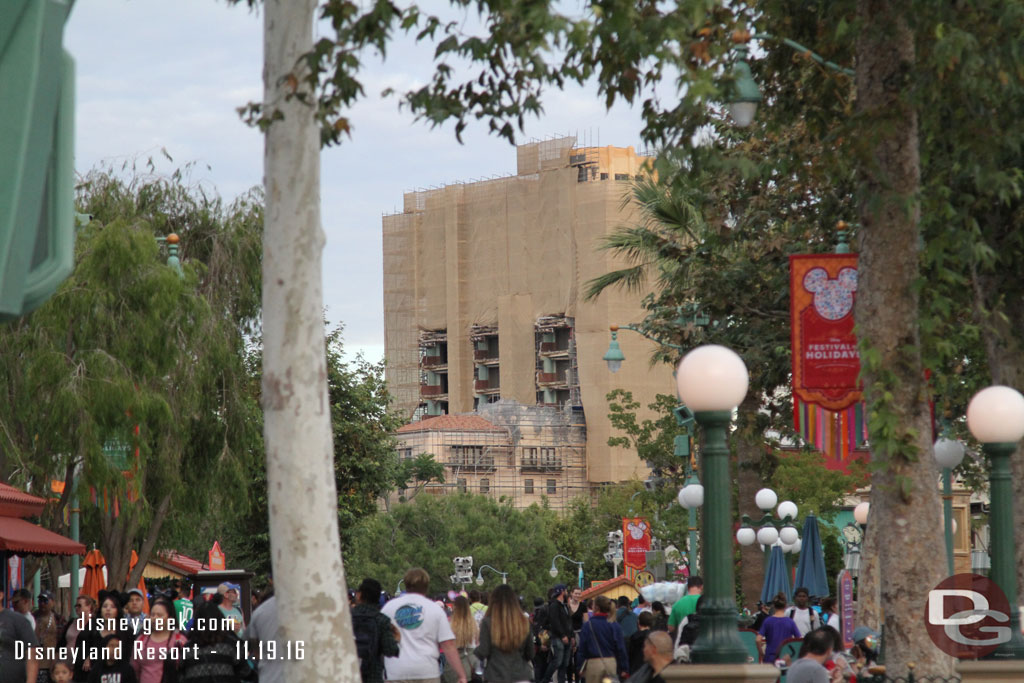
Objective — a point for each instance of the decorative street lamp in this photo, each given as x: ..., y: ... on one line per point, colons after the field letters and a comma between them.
x: 995, y: 417
x: 614, y: 356
x: 745, y: 95
x: 773, y: 529
x: 712, y: 380
x: 480, y: 574
x: 691, y: 497
x: 554, y: 570
x: 948, y: 453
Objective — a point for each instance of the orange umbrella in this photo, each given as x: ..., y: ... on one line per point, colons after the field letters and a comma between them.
x: 142, y: 582
x: 94, y: 581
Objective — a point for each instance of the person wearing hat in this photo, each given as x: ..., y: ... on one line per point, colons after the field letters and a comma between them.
x: 229, y: 605
x: 865, y: 646
x: 134, y: 610
x: 49, y: 625
x: 560, y: 627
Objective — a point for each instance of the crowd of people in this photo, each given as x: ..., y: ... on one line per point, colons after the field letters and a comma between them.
x: 455, y: 638
x: 116, y: 639
x: 495, y: 638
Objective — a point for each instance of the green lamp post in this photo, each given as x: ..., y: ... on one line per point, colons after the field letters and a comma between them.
x: 995, y: 417
x: 712, y: 381
x: 579, y: 568
x: 948, y: 454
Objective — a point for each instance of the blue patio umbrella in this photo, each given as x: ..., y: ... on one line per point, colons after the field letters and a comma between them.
x: 776, y: 578
x: 810, y: 570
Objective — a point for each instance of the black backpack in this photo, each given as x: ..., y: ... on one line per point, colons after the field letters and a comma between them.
x: 364, y: 626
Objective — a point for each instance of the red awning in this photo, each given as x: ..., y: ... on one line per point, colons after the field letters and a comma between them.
x: 19, y: 536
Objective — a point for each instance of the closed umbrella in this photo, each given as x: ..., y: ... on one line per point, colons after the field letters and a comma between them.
x: 142, y: 581
x: 776, y: 579
x: 810, y: 570
x: 94, y: 580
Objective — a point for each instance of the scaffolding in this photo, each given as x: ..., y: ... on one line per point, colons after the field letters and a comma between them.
x: 527, y: 454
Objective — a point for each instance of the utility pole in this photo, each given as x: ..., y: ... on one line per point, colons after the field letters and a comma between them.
x: 309, y: 578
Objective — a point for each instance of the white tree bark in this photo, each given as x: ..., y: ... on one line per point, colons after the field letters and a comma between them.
x: 309, y: 578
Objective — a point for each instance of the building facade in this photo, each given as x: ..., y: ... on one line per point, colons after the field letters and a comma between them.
x: 484, y: 286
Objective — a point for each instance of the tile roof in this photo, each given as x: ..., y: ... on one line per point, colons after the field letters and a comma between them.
x: 620, y: 580
x: 189, y: 565
x: 16, y: 502
x: 451, y: 423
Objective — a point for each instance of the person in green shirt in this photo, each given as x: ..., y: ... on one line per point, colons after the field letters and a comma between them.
x: 686, y: 605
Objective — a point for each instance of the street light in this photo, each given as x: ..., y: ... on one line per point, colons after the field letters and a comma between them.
x: 860, y: 513
x: 995, y: 417
x: 712, y: 381
x: 774, y: 530
x: 745, y: 94
x: 948, y: 453
x: 480, y: 574
x: 554, y: 570
x: 614, y: 356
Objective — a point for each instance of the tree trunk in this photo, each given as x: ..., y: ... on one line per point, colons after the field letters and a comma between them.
x: 749, y: 448
x: 869, y: 601
x: 309, y: 578
x: 152, y: 534
x: 905, y: 506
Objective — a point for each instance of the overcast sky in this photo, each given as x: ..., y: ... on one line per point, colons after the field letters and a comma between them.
x: 169, y: 74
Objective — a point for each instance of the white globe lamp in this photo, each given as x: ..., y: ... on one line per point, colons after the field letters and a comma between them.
x: 746, y: 536
x: 692, y: 496
x: 712, y: 377
x: 789, y: 535
x: 766, y: 499
x: 860, y: 513
x: 996, y: 415
x: 767, y: 535
x: 787, y: 509
x: 948, y: 452
x: 796, y: 546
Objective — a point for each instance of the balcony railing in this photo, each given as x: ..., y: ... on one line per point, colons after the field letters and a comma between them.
x: 428, y: 390
x: 433, y: 361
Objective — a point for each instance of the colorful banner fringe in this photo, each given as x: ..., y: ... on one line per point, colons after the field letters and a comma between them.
x: 837, y: 434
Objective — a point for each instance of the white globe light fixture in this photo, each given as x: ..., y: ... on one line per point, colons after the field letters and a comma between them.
x: 789, y: 535
x: 860, y: 513
x: 766, y: 499
x: 948, y: 452
x: 767, y: 535
x: 746, y: 536
x: 796, y: 546
x: 553, y: 571
x: 479, y: 580
x: 787, y: 509
x: 712, y: 377
x: 996, y: 415
x: 692, y: 496
x: 786, y: 547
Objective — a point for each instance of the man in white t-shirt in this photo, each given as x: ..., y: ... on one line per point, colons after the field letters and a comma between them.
x: 805, y: 617
x: 425, y: 630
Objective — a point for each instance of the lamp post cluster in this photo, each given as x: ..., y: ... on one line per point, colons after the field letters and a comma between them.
x: 772, y: 529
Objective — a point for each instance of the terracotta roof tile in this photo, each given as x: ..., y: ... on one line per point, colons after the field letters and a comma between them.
x: 451, y: 423
x: 16, y: 502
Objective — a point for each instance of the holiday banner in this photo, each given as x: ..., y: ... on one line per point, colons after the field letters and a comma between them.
x: 825, y: 357
x: 636, y: 541
x: 827, y: 401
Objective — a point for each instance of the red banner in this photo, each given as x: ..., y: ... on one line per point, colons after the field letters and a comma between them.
x: 825, y: 358
x: 636, y: 541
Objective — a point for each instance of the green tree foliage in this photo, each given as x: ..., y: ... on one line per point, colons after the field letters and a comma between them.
x: 127, y: 351
x: 366, y: 463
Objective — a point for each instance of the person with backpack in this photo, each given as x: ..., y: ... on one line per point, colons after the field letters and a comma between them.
x: 376, y: 637
x: 806, y: 617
